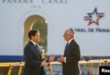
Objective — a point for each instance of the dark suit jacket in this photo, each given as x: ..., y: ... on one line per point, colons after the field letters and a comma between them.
x: 32, y: 58
x: 72, y: 54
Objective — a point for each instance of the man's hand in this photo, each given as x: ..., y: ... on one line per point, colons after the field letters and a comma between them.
x: 61, y: 59
x: 44, y: 63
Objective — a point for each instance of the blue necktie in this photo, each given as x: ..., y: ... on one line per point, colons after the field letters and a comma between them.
x: 38, y: 48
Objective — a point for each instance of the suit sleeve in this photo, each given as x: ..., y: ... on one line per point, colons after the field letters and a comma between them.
x: 75, y: 56
x: 28, y: 57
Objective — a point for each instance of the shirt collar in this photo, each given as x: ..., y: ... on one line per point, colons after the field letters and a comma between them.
x: 69, y: 41
x: 33, y: 42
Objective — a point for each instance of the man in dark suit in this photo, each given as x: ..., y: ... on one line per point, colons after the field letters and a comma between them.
x: 71, y: 54
x: 32, y: 56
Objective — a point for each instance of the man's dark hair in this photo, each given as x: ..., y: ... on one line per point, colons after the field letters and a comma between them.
x: 32, y: 33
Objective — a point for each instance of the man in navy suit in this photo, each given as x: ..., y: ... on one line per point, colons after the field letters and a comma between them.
x: 71, y: 54
x: 34, y: 64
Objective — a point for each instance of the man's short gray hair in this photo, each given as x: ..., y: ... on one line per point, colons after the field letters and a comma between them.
x: 71, y: 30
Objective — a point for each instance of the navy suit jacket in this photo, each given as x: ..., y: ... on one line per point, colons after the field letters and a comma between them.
x: 32, y: 58
x: 72, y: 54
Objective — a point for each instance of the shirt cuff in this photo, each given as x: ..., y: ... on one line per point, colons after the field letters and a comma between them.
x: 64, y: 59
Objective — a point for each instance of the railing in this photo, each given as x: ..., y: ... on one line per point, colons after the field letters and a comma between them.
x: 10, y: 65
x: 83, y: 66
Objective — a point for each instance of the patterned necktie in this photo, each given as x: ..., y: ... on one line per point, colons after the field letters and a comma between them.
x: 67, y: 45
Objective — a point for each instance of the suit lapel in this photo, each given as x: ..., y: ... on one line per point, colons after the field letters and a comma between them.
x: 38, y: 50
x: 35, y: 50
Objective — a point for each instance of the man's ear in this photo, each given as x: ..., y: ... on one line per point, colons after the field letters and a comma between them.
x: 32, y: 37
